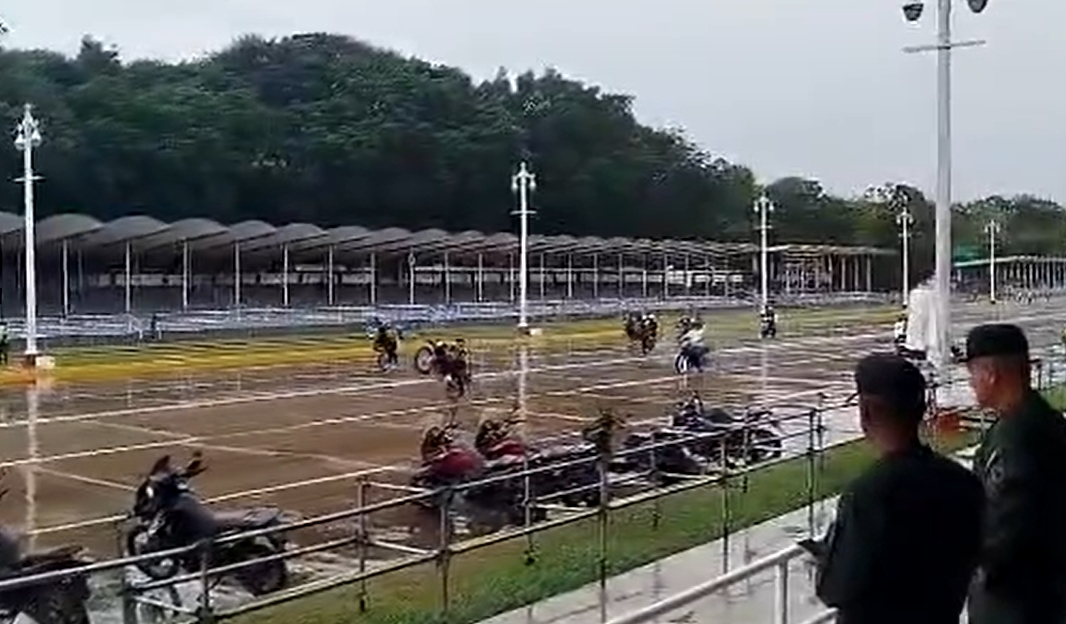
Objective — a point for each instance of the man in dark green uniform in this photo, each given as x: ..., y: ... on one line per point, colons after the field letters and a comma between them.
x: 906, y: 538
x: 1022, y: 464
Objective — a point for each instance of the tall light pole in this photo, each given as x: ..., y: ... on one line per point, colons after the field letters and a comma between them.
x: 992, y: 229
x: 763, y: 207
x: 27, y: 137
x: 904, y: 220
x: 913, y: 10
x: 523, y: 183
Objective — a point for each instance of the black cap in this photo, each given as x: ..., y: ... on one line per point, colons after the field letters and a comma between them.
x: 894, y: 380
x: 996, y: 339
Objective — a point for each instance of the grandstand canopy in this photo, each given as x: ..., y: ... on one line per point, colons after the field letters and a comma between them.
x: 263, y: 242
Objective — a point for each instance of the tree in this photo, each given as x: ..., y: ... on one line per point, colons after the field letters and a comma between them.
x: 326, y: 129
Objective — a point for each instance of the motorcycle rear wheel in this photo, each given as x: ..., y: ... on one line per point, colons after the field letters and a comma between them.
x: 52, y: 605
x: 265, y: 577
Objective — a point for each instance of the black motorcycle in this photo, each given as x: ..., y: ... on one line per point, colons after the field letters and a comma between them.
x: 59, y: 601
x: 751, y: 438
x: 167, y: 515
x: 768, y: 325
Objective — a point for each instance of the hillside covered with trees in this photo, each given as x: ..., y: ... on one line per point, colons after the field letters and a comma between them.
x: 326, y: 129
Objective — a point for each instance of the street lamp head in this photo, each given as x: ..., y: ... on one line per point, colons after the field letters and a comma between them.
x: 913, y: 10
x: 978, y: 6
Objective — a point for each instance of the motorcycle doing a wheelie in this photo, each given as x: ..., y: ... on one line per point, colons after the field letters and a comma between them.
x: 448, y: 362
x: 168, y: 515
x: 56, y: 601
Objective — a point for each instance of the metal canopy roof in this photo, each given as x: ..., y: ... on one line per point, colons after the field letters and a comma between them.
x: 308, y: 241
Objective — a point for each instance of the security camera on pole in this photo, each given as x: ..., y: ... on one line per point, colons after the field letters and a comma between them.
x: 992, y: 229
x: 912, y: 11
x: 27, y: 137
x: 523, y: 183
x: 763, y: 208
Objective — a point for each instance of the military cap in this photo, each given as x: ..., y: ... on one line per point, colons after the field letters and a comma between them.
x: 894, y: 380
x: 996, y: 339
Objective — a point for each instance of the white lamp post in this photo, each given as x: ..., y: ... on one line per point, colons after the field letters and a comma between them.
x: 912, y: 10
x: 904, y: 220
x: 763, y: 207
x: 523, y: 183
x: 992, y: 229
x: 28, y: 136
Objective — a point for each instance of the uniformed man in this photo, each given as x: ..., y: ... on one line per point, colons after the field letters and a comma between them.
x: 1022, y: 463
x: 906, y: 538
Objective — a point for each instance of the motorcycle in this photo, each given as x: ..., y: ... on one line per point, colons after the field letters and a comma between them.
x: 167, y: 515
x: 669, y: 461
x: 752, y: 438
x: 57, y: 601
x: 430, y: 358
x: 448, y: 463
x: 643, y: 333
x: 768, y: 326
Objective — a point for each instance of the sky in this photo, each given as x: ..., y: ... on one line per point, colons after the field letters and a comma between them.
x: 816, y: 88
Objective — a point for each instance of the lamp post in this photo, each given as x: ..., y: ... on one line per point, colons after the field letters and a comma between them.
x: 992, y: 228
x: 763, y: 207
x: 913, y: 10
x: 904, y: 220
x: 523, y: 183
x: 27, y: 137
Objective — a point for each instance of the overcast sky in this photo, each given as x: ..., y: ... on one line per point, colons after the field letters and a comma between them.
x: 816, y: 88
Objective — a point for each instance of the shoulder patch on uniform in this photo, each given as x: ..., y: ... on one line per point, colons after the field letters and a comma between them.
x: 994, y: 470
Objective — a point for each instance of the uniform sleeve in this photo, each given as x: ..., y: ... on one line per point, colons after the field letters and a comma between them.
x: 846, y: 573
x: 1012, y: 510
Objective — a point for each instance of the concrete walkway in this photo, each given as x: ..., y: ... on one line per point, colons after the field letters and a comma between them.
x: 745, y: 603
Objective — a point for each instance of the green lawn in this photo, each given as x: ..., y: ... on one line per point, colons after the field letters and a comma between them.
x: 498, y: 578
x: 722, y: 325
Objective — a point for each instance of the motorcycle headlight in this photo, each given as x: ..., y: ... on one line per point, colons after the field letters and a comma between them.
x: 149, y: 492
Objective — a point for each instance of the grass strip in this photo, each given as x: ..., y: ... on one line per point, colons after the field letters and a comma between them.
x: 496, y: 578
x: 162, y: 359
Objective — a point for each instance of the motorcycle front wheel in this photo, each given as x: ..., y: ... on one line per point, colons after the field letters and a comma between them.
x: 138, y: 543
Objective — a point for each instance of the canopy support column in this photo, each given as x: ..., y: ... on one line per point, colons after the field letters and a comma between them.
x: 569, y: 276
x: 644, y: 276
x: 542, y: 277
x: 666, y: 282
x: 447, y: 281
x: 411, y: 270
x: 621, y: 277
x: 128, y: 277
x: 285, y: 275
x: 330, y: 280
x: 479, y: 278
x: 184, y: 275
x: 237, y: 276
x: 372, y: 281
x: 66, y: 277
x: 596, y: 276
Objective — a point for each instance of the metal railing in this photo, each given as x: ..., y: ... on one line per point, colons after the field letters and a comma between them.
x: 806, y: 425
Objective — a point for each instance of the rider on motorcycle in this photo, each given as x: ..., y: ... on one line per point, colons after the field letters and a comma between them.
x: 899, y: 330
x: 768, y: 319
x: 386, y: 340
x: 692, y: 343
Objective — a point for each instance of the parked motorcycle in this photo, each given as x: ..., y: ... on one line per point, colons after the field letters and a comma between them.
x: 59, y: 601
x: 750, y: 438
x: 167, y: 514
x: 768, y: 325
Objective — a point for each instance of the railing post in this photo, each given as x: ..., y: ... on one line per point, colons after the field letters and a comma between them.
x: 723, y: 451
x: 602, y: 465
x: 781, y: 593
x: 363, y: 537
x: 129, y: 605
x: 204, y: 614
x: 528, y: 503
x: 444, y: 552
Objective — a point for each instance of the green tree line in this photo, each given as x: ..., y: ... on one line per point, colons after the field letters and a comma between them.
x: 326, y: 129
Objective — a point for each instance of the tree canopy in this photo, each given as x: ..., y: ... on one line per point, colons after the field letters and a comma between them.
x: 326, y: 129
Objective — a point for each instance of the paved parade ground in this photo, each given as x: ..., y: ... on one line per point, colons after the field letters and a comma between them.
x: 300, y: 438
